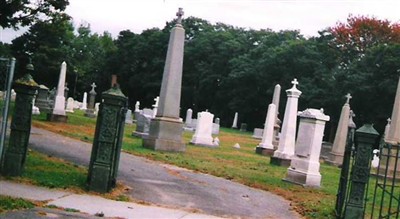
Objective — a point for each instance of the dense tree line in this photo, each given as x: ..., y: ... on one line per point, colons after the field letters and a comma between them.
x: 227, y: 69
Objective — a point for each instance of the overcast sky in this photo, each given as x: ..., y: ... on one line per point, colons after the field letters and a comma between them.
x: 308, y: 16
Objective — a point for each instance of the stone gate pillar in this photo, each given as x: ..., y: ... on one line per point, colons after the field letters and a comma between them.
x: 107, y: 141
x: 14, y: 159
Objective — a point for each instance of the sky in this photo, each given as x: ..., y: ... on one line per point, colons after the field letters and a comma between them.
x: 308, y: 16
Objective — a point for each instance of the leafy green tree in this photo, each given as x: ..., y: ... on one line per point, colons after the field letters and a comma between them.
x: 48, y: 44
x: 15, y: 13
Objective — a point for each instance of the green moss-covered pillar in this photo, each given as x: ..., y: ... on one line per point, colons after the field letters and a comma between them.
x: 365, y: 138
x: 14, y: 159
x: 107, y: 141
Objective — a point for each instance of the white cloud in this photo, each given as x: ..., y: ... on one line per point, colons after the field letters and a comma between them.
x: 308, y: 16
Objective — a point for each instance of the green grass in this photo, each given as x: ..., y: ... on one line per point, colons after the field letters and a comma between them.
x: 8, y: 204
x: 50, y: 172
x: 243, y: 165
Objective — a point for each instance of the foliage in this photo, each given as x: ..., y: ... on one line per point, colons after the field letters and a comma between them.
x: 48, y: 44
x: 17, y: 13
x: 8, y: 203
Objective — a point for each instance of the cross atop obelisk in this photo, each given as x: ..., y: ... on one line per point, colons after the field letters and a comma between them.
x: 295, y: 82
x: 179, y: 14
x: 348, y: 96
x: 93, y: 86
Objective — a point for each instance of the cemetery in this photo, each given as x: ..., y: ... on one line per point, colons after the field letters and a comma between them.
x: 245, y: 151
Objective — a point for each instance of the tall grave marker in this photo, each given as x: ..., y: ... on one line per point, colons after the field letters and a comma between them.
x: 336, y: 155
x: 394, y: 130
x: 166, y: 128
x: 285, y: 151
x: 58, y: 114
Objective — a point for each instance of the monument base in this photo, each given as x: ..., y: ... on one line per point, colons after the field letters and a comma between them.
x: 335, y: 159
x: 280, y: 161
x: 264, y: 151
x: 57, y: 118
x: 303, y: 178
x: 165, y: 135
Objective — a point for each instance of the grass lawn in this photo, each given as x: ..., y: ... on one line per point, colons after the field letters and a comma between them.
x: 239, y: 165
x: 8, y: 204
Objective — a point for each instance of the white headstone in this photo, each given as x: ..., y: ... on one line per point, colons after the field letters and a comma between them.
x: 84, y: 102
x: 235, y: 120
x: 188, y: 120
x: 128, y: 117
x: 137, y: 106
x: 96, y: 108
x: 35, y: 109
x: 375, y: 159
x: 70, y: 105
x: 258, y: 133
x: 387, y: 128
x: 288, y: 134
x: 304, y: 166
x: 59, y: 102
x: 202, y: 135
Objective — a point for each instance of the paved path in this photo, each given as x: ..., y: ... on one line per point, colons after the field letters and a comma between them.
x: 170, y: 186
x: 87, y: 206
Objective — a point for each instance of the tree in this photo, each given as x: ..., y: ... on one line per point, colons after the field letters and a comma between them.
x: 359, y: 33
x: 15, y: 13
x: 48, y: 44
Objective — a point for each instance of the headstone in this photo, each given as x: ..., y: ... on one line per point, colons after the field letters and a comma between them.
x: 375, y: 159
x: 142, y: 125
x: 304, y: 167
x: 58, y: 114
x: 137, y: 106
x: 42, y: 99
x: 84, y: 102
x: 128, y: 117
x: 243, y: 127
x: 336, y: 155
x: 166, y: 129
x: 155, y: 106
x: 96, y: 108
x: 202, y: 135
x: 257, y: 133
x: 70, y: 105
x: 215, y: 127
x: 92, y: 98
x: 266, y: 147
x: 285, y: 151
x: 148, y: 112
x: 235, y: 120
x: 216, y: 141
x: 188, y: 120
x: 77, y: 104
x: 237, y: 146
x: 35, y: 109
x: 52, y: 98
x: 394, y: 132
